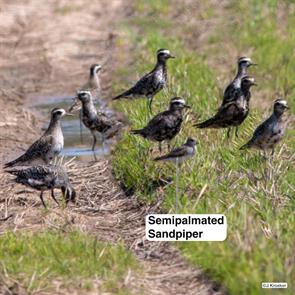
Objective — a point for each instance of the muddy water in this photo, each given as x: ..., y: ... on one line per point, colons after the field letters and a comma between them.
x: 71, y: 129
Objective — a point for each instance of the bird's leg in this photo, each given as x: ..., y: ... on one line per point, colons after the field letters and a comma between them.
x: 272, y: 153
x: 237, y: 132
x: 81, y: 132
x: 160, y: 146
x: 264, y: 154
x: 176, y: 186
x: 228, y: 132
x: 41, y: 197
x: 94, y: 140
x: 168, y: 145
x: 53, y: 196
x: 103, y: 141
x: 150, y: 101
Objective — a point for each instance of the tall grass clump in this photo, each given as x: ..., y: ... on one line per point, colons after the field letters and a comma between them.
x: 256, y: 195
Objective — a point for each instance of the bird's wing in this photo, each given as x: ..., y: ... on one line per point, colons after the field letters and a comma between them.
x: 262, y: 129
x: 35, y: 176
x: 159, y: 119
x: 222, y: 118
x: 230, y: 94
x: 37, y: 150
x: 143, y: 83
x: 178, y: 152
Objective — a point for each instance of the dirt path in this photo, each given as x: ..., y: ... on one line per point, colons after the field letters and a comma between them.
x: 46, y: 48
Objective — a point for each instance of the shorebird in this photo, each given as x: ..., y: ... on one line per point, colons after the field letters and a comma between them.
x: 43, y: 178
x: 92, y: 85
x: 268, y: 134
x: 177, y: 156
x: 180, y: 154
x: 95, y: 122
x: 234, y: 112
x: 151, y: 83
x: 47, y: 146
x: 165, y: 125
x: 230, y: 92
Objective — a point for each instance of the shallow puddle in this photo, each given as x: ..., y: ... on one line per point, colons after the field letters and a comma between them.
x: 71, y: 129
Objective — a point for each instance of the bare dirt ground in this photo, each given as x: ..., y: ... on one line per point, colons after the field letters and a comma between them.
x: 46, y: 48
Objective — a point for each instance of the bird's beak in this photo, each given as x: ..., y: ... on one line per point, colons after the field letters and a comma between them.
x: 253, y: 64
x: 172, y: 56
x: 255, y: 84
x: 69, y: 114
x: 186, y: 106
x: 72, y: 107
x: 287, y: 108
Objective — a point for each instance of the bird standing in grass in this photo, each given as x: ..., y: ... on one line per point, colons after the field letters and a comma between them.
x: 230, y: 92
x: 44, y: 178
x: 95, y: 122
x: 165, y: 125
x: 234, y: 112
x: 180, y: 154
x: 49, y: 145
x: 268, y: 134
x: 150, y: 84
x: 177, y: 156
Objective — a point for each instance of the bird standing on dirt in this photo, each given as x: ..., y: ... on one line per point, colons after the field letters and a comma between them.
x: 234, y: 112
x: 92, y: 85
x: 268, y: 134
x: 96, y: 122
x: 44, y: 178
x: 49, y: 145
x: 150, y: 84
x: 165, y: 125
x: 230, y: 92
x: 180, y: 154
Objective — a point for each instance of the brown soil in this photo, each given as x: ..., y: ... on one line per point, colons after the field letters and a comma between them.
x: 46, y: 48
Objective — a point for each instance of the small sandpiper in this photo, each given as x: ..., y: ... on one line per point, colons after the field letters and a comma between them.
x: 268, y: 134
x: 95, y: 122
x: 230, y: 92
x: 49, y: 145
x: 153, y: 82
x: 180, y: 154
x: 165, y: 125
x: 233, y: 113
x: 43, y: 178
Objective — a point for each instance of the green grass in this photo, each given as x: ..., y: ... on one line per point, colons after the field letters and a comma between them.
x: 259, y: 209
x: 36, y: 260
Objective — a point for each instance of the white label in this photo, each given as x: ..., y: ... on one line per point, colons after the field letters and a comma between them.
x: 186, y: 227
x: 274, y: 285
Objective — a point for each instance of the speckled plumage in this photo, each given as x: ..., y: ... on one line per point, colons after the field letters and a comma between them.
x: 151, y: 83
x: 44, y: 178
x: 49, y: 145
x: 268, y: 134
x: 233, y: 88
x: 234, y: 112
x: 96, y: 122
x: 165, y: 125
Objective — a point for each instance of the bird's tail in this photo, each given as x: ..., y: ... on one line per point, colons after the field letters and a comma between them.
x: 160, y: 158
x: 246, y: 146
x: 114, y: 130
x: 16, y: 161
x: 122, y: 95
x: 138, y: 132
x: 206, y: 124
x: 13, y: 171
